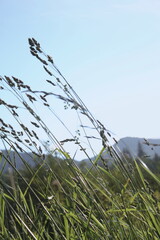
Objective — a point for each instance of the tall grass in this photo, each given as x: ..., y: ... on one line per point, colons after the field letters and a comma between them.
x: 56, y: 198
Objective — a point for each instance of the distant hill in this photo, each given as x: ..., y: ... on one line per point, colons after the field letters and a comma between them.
x: 130, y: 146
x: 16, y: 159
x: 19, y: 160
x: 149, y: 146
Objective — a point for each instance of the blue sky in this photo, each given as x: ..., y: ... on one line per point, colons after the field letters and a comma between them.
x: 109, y: 51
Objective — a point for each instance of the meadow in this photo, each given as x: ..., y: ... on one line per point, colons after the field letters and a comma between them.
x: 57, y: 197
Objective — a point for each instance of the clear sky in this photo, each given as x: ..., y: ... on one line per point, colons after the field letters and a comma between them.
x: 109, y: 51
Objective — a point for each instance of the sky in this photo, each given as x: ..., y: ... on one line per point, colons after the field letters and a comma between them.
x: 109, y: 51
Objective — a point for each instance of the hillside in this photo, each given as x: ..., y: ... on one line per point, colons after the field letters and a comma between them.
x: 127, y: 144
x: 17, y: 159
x: 149, y: 146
